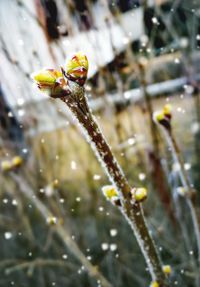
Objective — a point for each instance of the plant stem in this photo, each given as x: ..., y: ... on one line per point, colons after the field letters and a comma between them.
x: 133, y: 213
x: 157, y: 174
x: 39, y: 262
x: 186, y: 184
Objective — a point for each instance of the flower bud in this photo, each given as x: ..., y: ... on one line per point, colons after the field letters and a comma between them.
x: 46, y: 78
x: 77, y: 68
x: 162, y: 119
x: 17, y: 161
x: 6, y: 165
x: 139, y: 194
x: 167, y: 111
x: 111, y: 194
x: 154, y: 284
x: 167, y: 269
x: 109, y: 191
x: 52, y: 82
x: 159, y: 116
x: 52, y: 220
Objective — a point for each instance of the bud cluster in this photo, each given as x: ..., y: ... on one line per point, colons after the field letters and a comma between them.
x: 8, y: 165
x: 55, y: 83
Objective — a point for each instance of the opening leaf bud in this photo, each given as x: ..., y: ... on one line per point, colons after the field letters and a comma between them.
x: 52, y: 82
x: 46, y: 78
x: 77, y: 68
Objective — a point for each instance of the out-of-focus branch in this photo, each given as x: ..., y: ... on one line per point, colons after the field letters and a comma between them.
x: 39, y: 262
x: 64, y: 235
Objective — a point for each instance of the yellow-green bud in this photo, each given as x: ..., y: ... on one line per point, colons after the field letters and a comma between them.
x: 167, y: 111
x: 167, y: 269
x: 139, y: 194
x: 163, y: 119
x: 154, y: 284
x: 52, y: 82
x: 109, y: 191
x: 52, y: 220
x: 159, y: 116
x: 77, y: 68
x: 6, y: 165
x: 17, y: 161
x: 46, y: 78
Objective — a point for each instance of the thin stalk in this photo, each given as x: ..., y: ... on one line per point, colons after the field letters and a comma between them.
x: 179, y: 215
x: 158, y: 174
x: 171, y: 140
x: 39, y: 262
x: 77, y: 103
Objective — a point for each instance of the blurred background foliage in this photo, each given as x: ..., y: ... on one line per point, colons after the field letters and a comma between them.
x: 53, y: 199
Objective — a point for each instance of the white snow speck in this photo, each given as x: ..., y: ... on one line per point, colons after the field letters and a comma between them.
x: 104, y: 246
x: 113, y: 232
x: 8, y: 235
x: 113, y: 247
